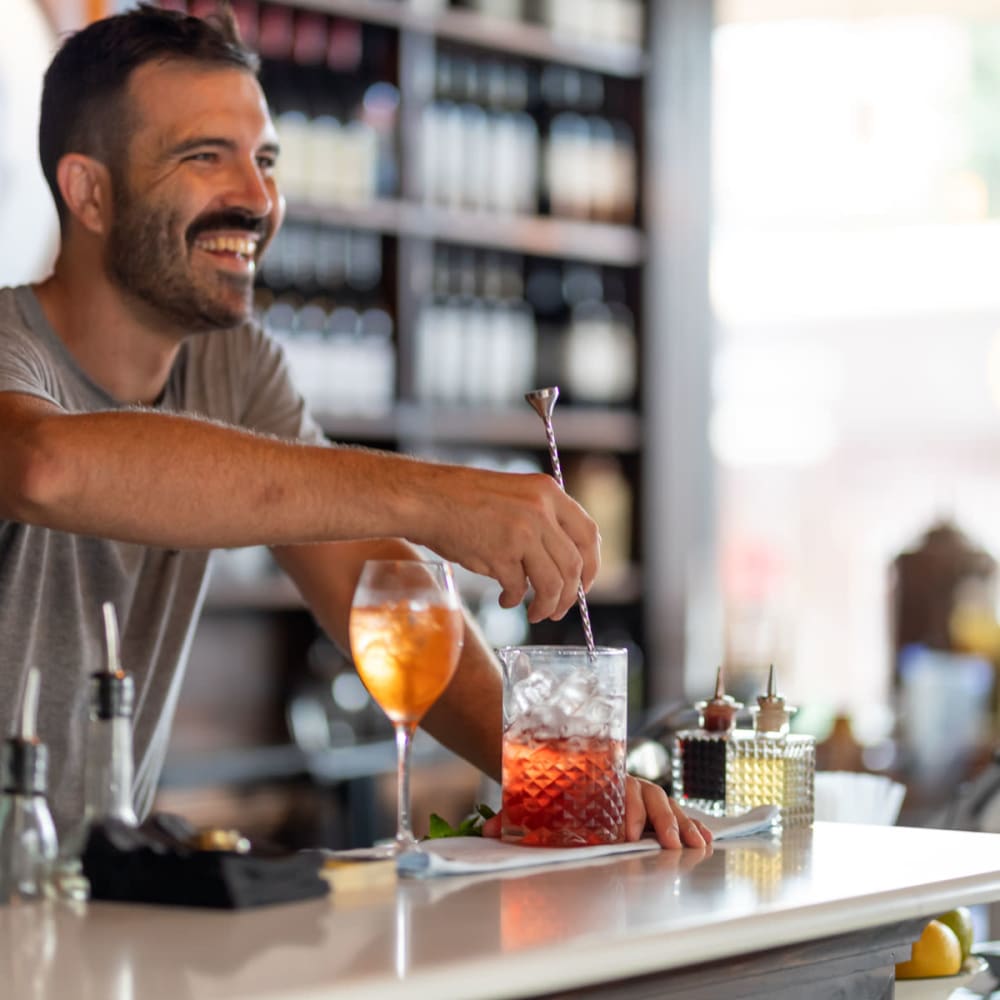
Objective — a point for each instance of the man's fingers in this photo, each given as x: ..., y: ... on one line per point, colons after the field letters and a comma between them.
x: 557, y: 568
x: 546, y: 581
x: 648, y: 805
x: 692, y: 832
x: 586, y: 538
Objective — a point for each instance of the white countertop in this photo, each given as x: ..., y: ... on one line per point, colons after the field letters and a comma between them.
x: 456, y: 937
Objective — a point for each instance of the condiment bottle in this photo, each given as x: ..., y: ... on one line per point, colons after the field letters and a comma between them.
x: 109, y: 765
x: 770, y: 766
x: 28, y: 842
x: 699, y: 764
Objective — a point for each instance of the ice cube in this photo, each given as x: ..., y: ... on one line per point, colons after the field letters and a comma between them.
x: 517, y: 730
x: 520, y: 668
x: 545, y: 722
x: 599, y: 711
x: 575, y: 693
x: 535, y: 689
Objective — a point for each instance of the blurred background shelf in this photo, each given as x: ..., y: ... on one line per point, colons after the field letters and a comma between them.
x: 576, y: 427
x: 537, y: 236
x: 507, y: 35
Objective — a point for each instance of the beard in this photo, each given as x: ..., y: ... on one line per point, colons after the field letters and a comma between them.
x: 149, y: 258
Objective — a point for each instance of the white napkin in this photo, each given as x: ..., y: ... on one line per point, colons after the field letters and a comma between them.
x: 470, y: 855
x: 756, y: 820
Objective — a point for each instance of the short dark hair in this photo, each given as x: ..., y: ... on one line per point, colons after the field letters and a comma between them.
x: 83, y: 106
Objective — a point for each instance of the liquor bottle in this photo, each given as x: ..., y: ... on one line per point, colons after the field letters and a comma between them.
x: 108, y: 766
x: 699, y: 764
x: 769, y: 765
x: 28, y: 842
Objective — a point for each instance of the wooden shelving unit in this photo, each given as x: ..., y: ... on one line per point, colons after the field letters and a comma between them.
x: 661, y: 261
x: 578, y: 428
x: 513, y: 38
x: 530, y: 235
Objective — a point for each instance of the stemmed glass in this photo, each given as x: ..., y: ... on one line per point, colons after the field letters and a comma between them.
x: 406, y: 629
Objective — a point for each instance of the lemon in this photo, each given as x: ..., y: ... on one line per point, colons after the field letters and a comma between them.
x: 936, y: 952
x: 960, y: 921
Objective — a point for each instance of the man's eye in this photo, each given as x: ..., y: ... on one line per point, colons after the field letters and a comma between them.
x: 206, y: 157
x: 267, y: 162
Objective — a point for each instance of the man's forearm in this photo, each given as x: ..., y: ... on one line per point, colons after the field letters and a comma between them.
x: 180, y: 482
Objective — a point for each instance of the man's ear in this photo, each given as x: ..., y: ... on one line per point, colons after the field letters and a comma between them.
x: 85, y: 184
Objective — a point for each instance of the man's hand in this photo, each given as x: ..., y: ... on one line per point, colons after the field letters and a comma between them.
x: 520, y: 529
x: 646, y: 805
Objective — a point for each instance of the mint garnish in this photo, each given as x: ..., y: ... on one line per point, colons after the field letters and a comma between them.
x: 471, y: 826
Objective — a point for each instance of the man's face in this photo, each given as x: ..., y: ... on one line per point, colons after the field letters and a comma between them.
x: 195, y: 201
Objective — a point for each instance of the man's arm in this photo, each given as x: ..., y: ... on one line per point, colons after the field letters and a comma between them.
x: 182, y: 482
x: 467, y: 718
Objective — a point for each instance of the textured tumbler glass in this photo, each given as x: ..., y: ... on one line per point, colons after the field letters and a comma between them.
x: 564, y: 719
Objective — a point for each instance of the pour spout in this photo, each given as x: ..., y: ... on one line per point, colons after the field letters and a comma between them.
x: 112, y: 638
x: 29, y: 706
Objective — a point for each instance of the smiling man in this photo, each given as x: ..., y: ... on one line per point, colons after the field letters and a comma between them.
x: 146, y: 419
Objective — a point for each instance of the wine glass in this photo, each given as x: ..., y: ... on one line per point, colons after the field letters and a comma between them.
x: 406, y: 629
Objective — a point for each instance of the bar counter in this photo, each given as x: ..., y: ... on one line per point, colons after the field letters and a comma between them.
x: 817, y: 913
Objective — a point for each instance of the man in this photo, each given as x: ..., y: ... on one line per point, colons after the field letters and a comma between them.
x: 145, y: 419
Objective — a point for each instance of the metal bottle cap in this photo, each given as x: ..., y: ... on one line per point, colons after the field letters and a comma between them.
x: 719, y: 714
x: 24, y: 767
x: 771, y: 714
x: 112, y: 691
x: 24, y: 760
x: 112, y: 695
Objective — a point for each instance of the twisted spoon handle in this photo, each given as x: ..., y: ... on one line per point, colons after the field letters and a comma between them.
x: 543, y: 401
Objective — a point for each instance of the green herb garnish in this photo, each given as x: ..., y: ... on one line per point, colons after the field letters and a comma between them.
x: 471, y: 826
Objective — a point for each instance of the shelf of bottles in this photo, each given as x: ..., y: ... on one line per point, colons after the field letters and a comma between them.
x: 462, y: 225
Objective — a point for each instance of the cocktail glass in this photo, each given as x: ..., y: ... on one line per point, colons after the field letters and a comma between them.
x: 406, y: 630
x: 564, y: 718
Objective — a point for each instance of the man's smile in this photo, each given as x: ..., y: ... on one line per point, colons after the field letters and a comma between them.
x: 238, y: 251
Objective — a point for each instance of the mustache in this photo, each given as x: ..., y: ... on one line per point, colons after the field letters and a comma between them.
x: 254, y: 225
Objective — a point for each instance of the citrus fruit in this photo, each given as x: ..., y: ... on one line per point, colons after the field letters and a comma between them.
x: 960, y: 921
x: 936, y: 952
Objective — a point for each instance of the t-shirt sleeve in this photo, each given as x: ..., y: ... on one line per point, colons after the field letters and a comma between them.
x: 23, y: 366
x: 270, y: 401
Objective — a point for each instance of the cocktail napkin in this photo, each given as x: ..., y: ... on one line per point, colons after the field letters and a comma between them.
x: 760, y: 819
x: 472, y: 855
x: 469, y: 855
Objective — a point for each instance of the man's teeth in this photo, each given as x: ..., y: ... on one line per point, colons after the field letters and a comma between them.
x: 242, y: 245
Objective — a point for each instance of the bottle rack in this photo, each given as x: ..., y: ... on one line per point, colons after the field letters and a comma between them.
x: 380, y: 87
x: 478, y: 237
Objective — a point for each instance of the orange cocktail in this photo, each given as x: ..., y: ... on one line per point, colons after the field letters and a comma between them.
x: 406, y: 629
x: 406, y: 656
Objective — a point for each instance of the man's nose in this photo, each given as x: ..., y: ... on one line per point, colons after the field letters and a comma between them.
x: 249, y: 190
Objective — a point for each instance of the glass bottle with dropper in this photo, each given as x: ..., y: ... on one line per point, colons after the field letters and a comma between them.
x: 28, y: 841
x: 770, y: 765
x: 699, y: 758
x: 108, y: 767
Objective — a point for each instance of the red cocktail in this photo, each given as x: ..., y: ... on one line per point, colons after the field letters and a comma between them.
x: 564, y: 792
x: 564, y: 745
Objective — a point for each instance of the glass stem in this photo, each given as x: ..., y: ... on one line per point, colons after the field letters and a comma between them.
x: 404, y: 741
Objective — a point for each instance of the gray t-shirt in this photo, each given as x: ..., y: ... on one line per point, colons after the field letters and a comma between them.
x: 52, y: 584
